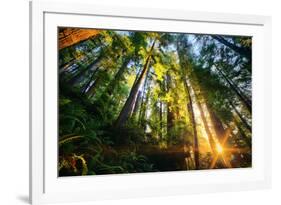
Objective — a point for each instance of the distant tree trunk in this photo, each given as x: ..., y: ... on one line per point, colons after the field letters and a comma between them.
x: 240, y: 50
x: 245, y: 123
x: 110, y: 88
x: 143, y: 96
x: 91, y: 91
x: 161, y: 107
x: 144, y: 109
x: 212, y: 142
x: 220, y: 161
x: 218, y: 126
x: 92, y: 66
x: 243, y: 135
x: 182, y: 51
x: 64, y: 67
x: 161, y: 120
x: 193, y: 121
x: 128, y: 107
x: 137, y: 104
x: 170, y: 113
x: 237, y: 91
x: 220, y: 133
x: 170, y: 120
x: 84, y: 89
x: 207, y: 128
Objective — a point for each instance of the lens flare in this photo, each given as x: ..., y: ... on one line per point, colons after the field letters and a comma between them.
x: 219, y: 148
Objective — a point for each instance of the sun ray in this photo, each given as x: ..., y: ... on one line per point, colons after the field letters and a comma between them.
x: 217, y: 155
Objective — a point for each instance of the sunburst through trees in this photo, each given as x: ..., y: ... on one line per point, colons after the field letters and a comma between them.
x: 133, y: 101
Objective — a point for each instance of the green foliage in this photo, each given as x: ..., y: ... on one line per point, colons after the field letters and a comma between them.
x: 96, y: 80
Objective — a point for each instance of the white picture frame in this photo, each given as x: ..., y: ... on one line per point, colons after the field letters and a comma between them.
x: 46, y: 187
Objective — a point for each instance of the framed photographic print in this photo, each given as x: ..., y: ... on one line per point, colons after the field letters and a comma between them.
x: 130, y: 102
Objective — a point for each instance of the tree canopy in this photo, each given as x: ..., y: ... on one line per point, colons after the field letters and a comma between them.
x: 132, y: 101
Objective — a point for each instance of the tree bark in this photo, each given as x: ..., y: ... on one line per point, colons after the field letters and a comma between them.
x: 182, y: 50
x: 84, y: 89
x: 64, y: 67
x: 143, y: 96
x: 245, y: 123
x: 218, y: 126
x: 128, y: 107
x: 242, y: 97
x: 110, y: 88
x: 209, y: 134
x: 137, y: 104
x: 143, y: 110
x: 91, y: 91
x: 240, y: 50
x: 92, y: 66
x: 243, y: 135
x: 161, y: 120
x: 170, y: 113
x: 207, y: 128
x: 193, y: 121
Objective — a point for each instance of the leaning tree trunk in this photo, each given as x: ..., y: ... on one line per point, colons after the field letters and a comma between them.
x: 245, y: 123
x: 207, y: 128
x: 237, y: 91
x: 217, y: 123
x: 87, y: 85
x: 92, y: 90
x: 92, y: 66
x: 72, y: 36
x: 220, y: 161
x: 240, y: 50
x: 110, y: 88
x: 211, y: 139
x: 144, y: 96
x: 144, y: 110
x: 129, y: 105
x: 137, y: 104
x: 243, y: 135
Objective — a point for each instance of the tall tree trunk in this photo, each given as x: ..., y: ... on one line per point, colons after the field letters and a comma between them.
x: 211, y: 139
x: 240, y: 50
x: 243, y: 135
x: 161, y: 120
x: 193, y: 121
x: 144, y: 109
x: 170, y: 113
x: 245, y: 123
x: 218, y: 126
x: 143, y: 96
x: 182, y: 50
x: 237, y: 91
x: 73, y: 36
x: 86, y: 86
x: 92, y: 66
x: 110, y: 88
x: 137, y: 104
x: 170, y: 120
x: 128, y: 107
x: 207, y: 128
x: 220, y: 132
x: 64, y: 67
x: 91, y: 91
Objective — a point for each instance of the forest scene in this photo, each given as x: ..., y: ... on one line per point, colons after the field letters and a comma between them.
x: 136, y: 101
